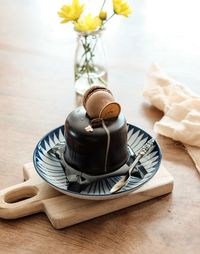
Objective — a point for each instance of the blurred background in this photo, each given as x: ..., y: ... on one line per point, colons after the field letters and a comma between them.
x: 164, y: 32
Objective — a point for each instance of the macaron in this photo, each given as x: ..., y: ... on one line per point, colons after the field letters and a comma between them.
x: 100, y: 103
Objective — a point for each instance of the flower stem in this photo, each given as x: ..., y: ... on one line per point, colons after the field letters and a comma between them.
x: 87, y: 61
x: 102, y: 5
x: 109, y: 18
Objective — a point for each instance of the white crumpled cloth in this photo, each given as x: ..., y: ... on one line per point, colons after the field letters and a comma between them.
x: 181, y: 107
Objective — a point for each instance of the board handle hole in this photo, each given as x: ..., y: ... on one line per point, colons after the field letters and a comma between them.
x: 20, y: 194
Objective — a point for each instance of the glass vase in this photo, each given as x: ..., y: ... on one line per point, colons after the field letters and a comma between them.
x: 90, y: 63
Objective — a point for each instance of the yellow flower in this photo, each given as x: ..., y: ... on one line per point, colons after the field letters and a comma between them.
x: 121, y: 8
x: 71, y: 12
x: 103, y: 15
x: 88, y: 24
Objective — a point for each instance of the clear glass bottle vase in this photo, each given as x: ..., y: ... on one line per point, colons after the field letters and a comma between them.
x: 90, y: 61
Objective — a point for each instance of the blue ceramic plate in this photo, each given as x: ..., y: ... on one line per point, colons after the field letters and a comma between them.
x: 49, y: 167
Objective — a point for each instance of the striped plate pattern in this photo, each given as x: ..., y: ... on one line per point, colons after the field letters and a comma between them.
x: 49, y: 168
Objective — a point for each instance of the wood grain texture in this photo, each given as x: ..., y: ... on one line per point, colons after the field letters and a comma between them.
x: 36, y: 94
x: 35, y: 195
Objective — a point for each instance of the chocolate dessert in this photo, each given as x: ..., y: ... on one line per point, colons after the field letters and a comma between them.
x: 96, y: 134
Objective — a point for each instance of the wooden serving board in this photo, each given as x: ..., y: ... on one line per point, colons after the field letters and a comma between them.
x: 34, y: 195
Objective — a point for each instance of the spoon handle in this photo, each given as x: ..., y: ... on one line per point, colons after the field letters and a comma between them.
x: 124, y: 180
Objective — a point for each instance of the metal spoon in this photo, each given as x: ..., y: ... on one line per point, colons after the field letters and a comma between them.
x: 125, y: 179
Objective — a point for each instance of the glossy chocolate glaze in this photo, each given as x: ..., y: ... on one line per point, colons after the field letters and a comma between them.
x: 85, y: 151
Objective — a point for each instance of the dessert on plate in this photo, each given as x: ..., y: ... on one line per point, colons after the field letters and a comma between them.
x: 91, y: 151
x: 96, y: 134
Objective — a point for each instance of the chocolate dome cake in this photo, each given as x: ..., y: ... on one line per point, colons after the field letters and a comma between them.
x: 96, y: 145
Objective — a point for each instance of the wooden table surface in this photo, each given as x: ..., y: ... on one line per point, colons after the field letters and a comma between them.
x: 37, y: 93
